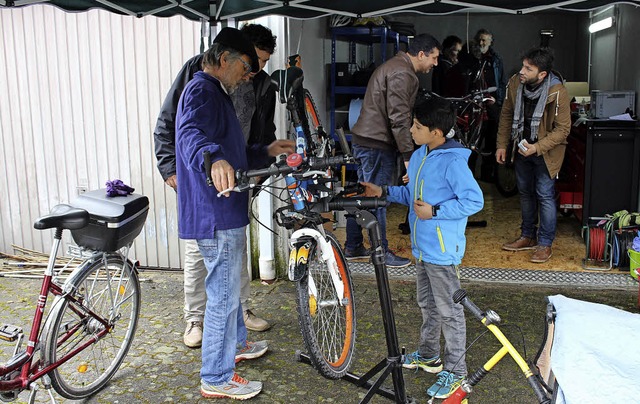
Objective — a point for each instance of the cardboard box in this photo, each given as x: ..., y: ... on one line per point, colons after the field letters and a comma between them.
x: 605, y: 104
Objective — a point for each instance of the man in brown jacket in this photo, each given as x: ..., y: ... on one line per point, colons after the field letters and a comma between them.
x: 382, y: 130
x: 536, y: 117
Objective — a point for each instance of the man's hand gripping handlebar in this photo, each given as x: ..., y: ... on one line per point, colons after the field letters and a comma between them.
x: 306, y: 168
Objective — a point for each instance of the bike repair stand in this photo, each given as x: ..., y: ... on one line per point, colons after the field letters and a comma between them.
x: 393, y: 362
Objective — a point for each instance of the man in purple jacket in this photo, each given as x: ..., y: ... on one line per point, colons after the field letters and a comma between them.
x: 206, y: 122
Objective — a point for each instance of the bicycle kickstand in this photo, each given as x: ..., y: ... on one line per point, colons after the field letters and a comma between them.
x: 46, y: 380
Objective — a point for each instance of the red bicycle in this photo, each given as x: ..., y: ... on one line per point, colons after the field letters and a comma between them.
x: 471, y: 112
x: 77, y: 343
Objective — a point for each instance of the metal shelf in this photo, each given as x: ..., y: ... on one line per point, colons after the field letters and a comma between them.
x: 381, y: 36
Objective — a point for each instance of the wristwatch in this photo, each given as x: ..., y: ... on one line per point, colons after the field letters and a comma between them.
x: 434, y: 210
x: 384, y: 191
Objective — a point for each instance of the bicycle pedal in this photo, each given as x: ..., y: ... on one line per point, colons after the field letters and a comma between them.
x: 9, y: 332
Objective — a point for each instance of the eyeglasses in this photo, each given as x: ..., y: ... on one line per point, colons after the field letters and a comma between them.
x: 247, y: 66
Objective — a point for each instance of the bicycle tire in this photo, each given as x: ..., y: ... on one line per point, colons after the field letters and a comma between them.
x: 100, y: 288
x: 506, y: 180
x: 328, y: 329
x: 311, y: 111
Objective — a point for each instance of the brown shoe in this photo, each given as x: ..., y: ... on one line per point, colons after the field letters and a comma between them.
x: 521, y: 244
x: 254, y: 323
x: 541, y: 254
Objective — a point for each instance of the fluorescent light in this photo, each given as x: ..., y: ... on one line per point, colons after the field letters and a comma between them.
x: 600, y: 25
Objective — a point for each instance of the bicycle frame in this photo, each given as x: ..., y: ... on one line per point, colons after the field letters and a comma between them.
x: 471, y: 115
x: 303, y: 240
x: 490, y: 319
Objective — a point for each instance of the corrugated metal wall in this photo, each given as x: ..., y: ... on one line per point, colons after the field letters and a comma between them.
x: 79, y: 97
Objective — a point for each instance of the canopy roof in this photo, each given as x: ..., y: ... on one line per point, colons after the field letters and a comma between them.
x: 303, y: 9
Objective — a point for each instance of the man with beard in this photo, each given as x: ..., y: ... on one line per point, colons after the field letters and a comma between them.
x: 536, y: 116
x: 206, y: 122
x: 492, y: 75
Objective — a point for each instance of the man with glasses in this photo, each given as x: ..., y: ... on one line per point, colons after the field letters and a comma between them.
x: 206, y: 122
x: 254, y: 102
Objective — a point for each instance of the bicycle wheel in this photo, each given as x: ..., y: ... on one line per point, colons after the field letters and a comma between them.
x: 328, y: 328
x: 311, y: 111
x: 112, y: 293
x: 506, y: 180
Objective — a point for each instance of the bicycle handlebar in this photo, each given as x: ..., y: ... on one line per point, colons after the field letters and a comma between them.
x: 278, y: 168
x: 355, y: 203
x: 472, y: 95
x: 460, y: 296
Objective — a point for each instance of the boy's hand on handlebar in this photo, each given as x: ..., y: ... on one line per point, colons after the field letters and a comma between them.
x: 223, y: 176
x: 371, y: 189
x: 280, y: 146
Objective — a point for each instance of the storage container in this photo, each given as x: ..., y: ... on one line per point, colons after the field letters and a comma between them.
x: 605, y: 104
x: 634, y: 263
x: 113, y: 221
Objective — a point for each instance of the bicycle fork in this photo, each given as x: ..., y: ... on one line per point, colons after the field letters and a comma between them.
x: 302, y: 242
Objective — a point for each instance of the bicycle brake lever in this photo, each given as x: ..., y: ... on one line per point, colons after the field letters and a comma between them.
x: 207, y: 167
x: 237, y: 188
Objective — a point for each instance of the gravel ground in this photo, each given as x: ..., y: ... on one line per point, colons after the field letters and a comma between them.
x: 159, y: 368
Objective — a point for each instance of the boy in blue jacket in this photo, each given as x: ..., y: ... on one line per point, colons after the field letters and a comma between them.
x: 441, y: 194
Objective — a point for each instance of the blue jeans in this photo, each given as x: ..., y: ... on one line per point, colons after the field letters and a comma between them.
x: 537, y: 195
x: 223, y: 325
x: 376, y: 166
x: 436, y: 285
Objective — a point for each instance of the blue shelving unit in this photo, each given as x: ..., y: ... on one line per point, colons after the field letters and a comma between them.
x: 378, y: 36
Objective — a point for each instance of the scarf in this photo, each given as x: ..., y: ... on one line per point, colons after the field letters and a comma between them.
x: 540, y: 93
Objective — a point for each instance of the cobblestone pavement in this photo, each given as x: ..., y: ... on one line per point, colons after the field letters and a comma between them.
x: 159, y: 368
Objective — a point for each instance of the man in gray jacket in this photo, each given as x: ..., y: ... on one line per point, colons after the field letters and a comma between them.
x: 382, y: 130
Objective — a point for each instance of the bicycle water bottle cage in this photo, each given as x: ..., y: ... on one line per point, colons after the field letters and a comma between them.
x: 287, y: 82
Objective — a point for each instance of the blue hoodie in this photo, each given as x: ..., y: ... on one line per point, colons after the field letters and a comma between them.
x: 441, y: 178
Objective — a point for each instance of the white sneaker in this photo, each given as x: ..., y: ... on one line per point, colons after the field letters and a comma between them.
x: 193, y: 334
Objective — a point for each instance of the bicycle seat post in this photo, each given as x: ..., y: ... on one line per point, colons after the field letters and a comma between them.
x: 57, y: 239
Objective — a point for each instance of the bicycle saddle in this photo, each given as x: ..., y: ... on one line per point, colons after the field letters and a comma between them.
x: 287, y: 82
x: 63, y: 217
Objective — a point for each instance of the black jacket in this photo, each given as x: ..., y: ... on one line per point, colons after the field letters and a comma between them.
x: 263, y: 130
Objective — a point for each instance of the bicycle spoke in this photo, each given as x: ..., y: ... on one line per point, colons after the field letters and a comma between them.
x: 328, y: 326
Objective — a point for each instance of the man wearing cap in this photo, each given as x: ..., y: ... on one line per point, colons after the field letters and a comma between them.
x: 206, y: 122
x: 254, y: 102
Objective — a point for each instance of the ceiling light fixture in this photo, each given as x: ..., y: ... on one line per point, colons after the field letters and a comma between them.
x: 600, y: 25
